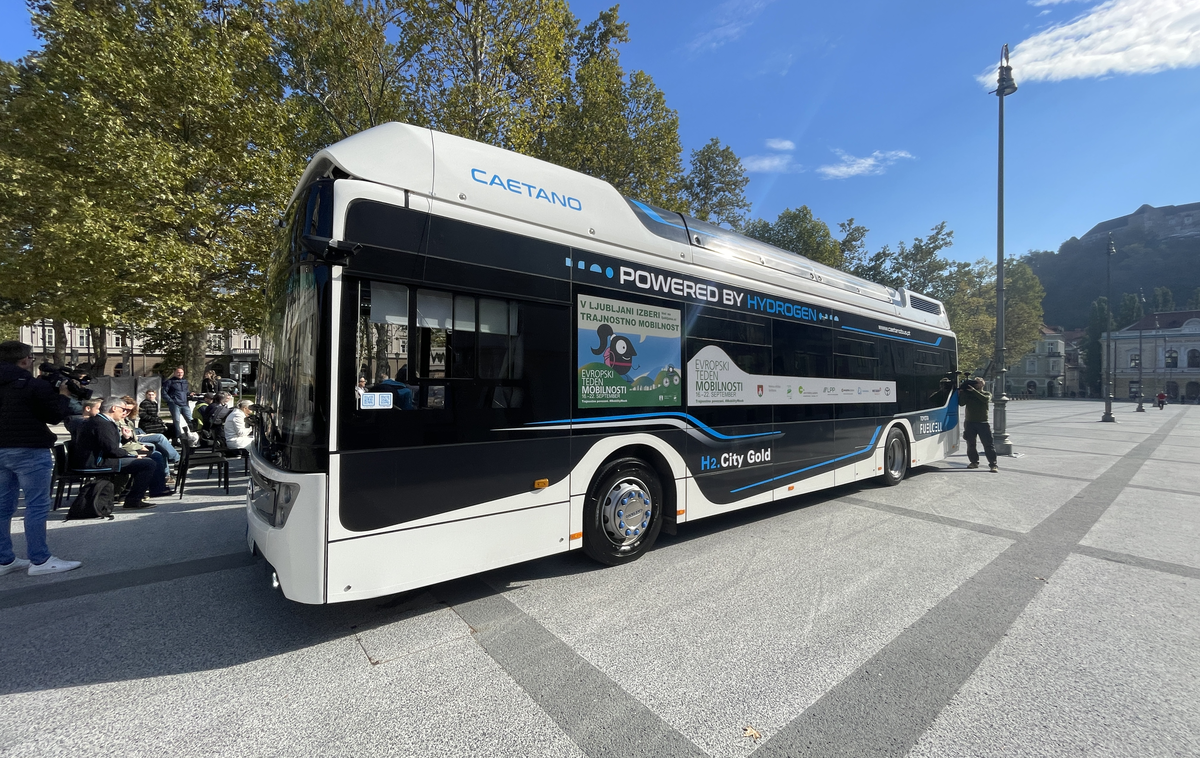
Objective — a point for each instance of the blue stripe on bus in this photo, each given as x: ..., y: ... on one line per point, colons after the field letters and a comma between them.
x: 654, y: 215
x: 874, y: 437
x: 690, y: 419
x: 892, y: 337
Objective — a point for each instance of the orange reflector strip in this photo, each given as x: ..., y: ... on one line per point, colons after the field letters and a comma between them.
x: 577, y: 536
x: 680, y: 513
x: 791, y: 487
x: 541, y: 484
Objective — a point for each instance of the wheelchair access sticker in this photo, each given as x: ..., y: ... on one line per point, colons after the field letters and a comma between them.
x: 374, y: 401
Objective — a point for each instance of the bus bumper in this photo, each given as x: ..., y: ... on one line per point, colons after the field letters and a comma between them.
x: 285, y: 521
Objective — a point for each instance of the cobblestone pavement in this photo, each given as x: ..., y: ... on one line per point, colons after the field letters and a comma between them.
x: 1052, y: 609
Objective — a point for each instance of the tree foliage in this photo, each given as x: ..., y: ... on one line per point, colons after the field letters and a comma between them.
x: 715, y: 186
x: 800, y: 232
x: 1099, y: 322
x: 612, y: 125
x: 1130, y: 310
x: 149, y: 134
x: 343, y: 73
x: 1164, y: 301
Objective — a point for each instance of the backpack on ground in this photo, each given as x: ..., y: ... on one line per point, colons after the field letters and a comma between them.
x: 95, y: 500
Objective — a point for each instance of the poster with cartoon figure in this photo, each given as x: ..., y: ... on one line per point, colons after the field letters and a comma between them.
x: 629, y: 354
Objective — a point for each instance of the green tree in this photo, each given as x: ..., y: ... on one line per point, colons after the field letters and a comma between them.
x: 494, y: 71
x: 918, y: 267
x: 1164, y: 301
x: 971, y: 308
x: 1130, y: 310
x: 715, y: 187
x: 614, y: 126
x: 1023, y: 294
x: 151, y: 133
x: 800, y: 232
x: 342, y: 72
x: 853, y: 245
x: 1193, y: 302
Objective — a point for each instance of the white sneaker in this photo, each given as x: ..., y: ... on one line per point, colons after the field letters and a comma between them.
x: 54, y: 566
x: 18, y: 564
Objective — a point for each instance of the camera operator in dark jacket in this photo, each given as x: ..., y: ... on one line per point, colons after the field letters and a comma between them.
x: 27, y: 405
x: 976, y: 399
x: 99, y: 447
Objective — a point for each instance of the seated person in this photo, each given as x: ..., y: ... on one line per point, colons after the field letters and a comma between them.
x: 200, y: 412
x: 219, y: 410
x: 157, y: 442
x: 99, y: 447
x: 148, y: 419
x: 404, y: 395
x: 239, y: 434
x: 91, y: 407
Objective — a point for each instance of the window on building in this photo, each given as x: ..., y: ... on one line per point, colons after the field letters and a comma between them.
x: 1193, y: 358
x: 1172, y: 359
x: 1135, y: 360
x: 118, y: 340
x: 247, y: 342
x: 1031, y: 366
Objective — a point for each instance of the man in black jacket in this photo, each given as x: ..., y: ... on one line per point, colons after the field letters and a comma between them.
x: 99, y: 447
x: 175, y: 392
x: 27, y: 405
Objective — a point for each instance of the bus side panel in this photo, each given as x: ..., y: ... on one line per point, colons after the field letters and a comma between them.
x: 297, y: 550
x: 383, y: 564
x: 441, y: 479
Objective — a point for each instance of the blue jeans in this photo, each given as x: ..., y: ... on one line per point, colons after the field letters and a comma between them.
x: 30, y: 469
x: 178, y: 415
x: 160, y: 444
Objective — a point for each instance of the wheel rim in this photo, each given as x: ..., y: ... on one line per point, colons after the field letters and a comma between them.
x: 627, y: 511
x: 895, y: 458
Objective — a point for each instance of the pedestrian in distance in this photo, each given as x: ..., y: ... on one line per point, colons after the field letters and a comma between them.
x: 27, y: 407
x: 976, y: 399
x: 175, y: 392
x: 1162, y: 399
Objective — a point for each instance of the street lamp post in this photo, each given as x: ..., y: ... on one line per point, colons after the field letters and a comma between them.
x: 1141, y: 358
x: 1108, y: 374
x: 1006, y: 86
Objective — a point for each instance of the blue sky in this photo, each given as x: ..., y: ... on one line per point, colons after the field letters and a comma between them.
x: 880, y: 109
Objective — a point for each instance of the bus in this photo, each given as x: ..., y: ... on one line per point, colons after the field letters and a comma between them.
x: 473, y: 358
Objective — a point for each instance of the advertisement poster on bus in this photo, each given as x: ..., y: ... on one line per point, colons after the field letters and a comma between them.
x: 629, y: 354
x: 714, y: 379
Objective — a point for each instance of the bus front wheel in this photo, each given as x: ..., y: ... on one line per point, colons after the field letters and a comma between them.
x: 895, y: 457
x: 623, y: 514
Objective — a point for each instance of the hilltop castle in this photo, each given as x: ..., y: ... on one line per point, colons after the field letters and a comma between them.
x: 1164, y: 222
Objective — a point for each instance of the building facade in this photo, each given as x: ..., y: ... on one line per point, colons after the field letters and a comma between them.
x: 126, y: 357
x: 1162, y: 352
x: 1050, y: 369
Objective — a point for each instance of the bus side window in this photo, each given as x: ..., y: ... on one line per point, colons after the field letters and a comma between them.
x: 381, y: 344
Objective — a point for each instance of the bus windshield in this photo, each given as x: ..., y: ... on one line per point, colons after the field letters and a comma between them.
x: 294, y: 428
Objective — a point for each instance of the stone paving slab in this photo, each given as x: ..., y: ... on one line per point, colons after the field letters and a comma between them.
x: 1104, y: 662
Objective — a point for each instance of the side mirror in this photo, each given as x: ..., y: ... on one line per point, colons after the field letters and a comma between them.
x: 326, y: 250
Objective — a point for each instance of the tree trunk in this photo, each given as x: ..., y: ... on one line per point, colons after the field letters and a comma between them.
x: 60, y: 341
x: 98, y: 336
x: 195, y: 346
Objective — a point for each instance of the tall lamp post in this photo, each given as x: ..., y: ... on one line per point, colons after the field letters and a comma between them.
x: 1108, y: 374
x: 1141, y: 358
x: 1006, y: 86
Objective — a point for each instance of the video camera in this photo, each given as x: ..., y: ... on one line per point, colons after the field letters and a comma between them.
x: 60, y: 375
x: 967, y: 380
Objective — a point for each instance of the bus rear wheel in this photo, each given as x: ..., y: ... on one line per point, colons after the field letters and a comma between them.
x: 623, y: 513
x: 895, y: 457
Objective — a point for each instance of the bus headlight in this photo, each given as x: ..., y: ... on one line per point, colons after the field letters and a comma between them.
x: 285, y: 497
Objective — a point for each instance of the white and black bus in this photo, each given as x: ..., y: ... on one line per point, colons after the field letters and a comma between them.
x: 549, y: 366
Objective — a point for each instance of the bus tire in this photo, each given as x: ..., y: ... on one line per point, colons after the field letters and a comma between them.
x: 895, y: 457
x: 622, y: 488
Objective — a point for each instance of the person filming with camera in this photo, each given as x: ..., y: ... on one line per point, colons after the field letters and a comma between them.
x: 27, y: 407
x: 976, y: 399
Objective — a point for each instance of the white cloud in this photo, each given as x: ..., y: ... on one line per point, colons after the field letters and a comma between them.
x: 781, y: 144
x: 1040, y: 3
x: 1115, y: 37
x: 729, y: 21
x: 777, y: 163
x: 875, y: 163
